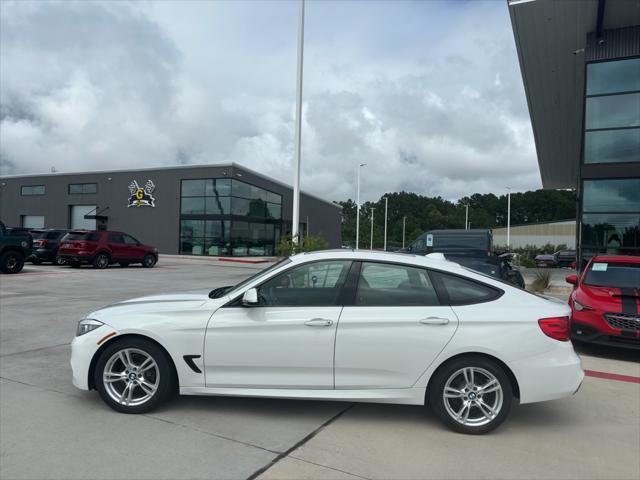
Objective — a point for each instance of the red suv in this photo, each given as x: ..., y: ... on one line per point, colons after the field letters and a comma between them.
x: 605, y: 302
x: 102, y: 248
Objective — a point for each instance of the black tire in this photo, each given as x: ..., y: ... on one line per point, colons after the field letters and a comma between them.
x: 11, y: 262
x: 149, y: 260
x: 480, y: 402
x: 124, y: 264
x: 101, y: 261
x: 59, y: 261
x: 36, y: 261
x: 165, y: 381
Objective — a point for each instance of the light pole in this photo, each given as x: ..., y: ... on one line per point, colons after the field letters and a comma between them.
x: 386, y: 205
x: 298, y: 140
x: 358, y: 207
x: 371, y: 240
x: 404, y: 223
x: 508, y: 218
x: 466, y: 218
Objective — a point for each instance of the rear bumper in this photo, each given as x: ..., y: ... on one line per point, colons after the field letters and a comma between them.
x: 76, y: 258
x: 43, y: 254
x: 587, y: 333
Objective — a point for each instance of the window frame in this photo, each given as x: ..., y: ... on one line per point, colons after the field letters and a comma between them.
x: 443, y: 294
x: 22, y: 187
x: 69, y: 192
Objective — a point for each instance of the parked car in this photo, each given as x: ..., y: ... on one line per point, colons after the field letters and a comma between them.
x: 14, y: 248
x: 495, y: 266
x: 605, y: 302
x: 565, y: 258
x: 412, y: 330
x: 477, y: 242
x: 103, y: 248
x: 545, y: 261
x: 45, y: 246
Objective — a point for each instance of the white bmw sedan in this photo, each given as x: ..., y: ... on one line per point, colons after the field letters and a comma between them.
x: 338, y: 325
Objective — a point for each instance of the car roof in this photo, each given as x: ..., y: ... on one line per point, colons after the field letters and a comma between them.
x: 617, y: 258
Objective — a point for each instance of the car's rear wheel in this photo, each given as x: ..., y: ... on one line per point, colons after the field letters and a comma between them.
x: 149, y: 260
x: 11, y: 262
x: 133, y: 376
x: 101, y: 261
x: 471, y: 394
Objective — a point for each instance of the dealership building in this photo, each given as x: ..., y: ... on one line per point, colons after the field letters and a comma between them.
x: 580, y: 63
x: 217, y: 210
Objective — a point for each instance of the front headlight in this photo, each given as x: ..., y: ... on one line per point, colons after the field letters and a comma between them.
x: 580, y: 307
x: 86, y: 325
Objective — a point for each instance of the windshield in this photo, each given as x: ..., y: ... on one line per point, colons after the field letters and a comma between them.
x: 258, y: 275
x: 615, y: 275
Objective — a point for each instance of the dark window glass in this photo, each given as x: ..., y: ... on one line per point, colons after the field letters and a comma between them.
x: 613, y: 274
x: 222, y: 187
x: 217, y: 229
x: 617, y: 234
x: 217, y: 206
x: 612, y: 195
x: 116, y: 238
x: 75, y: 188
x: 192, y: 228
x: 193, y: 205
x: 51, y: 235
x: 81, y: 188
x: 462, y: 291
x: 129, y: 240
x: 194, y: 188
x: 81, y: 236
x: 192, y: 246
x: 274, y: 211
x: 32, y: 190
x: 609, y: 146
x: 274, y: 198
x: 241, y: 189
x: 313, y: 284
x: 612, y: 77
x: 240, y: 206
x: 613, y: 111
x: 389, y: 285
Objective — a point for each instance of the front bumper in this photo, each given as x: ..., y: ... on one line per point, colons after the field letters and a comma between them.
x: 587, y: 333
x: 83, y: 349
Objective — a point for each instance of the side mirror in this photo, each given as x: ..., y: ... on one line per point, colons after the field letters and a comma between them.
x: 572, y: 279
x: 250, y: 297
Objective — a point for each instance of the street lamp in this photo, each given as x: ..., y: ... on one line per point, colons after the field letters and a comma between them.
x: 386, y: 204
x: 404, y: 224
x: 466, y: 218
x: 358, y: 207
x: 371, y: 240
x: 295, y: 222
x: 508, y: 218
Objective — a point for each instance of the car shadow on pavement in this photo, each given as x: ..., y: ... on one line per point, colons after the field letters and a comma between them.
x: 603, y: 351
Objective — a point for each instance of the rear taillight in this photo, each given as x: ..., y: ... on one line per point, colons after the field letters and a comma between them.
x: 44, y: 243
x: 555, y: 327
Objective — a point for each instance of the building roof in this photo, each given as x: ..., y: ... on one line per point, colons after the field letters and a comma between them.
x: 172, y: 167
x: 552, y: 42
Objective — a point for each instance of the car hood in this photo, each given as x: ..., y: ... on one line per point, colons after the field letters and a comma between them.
x: 601, y: 297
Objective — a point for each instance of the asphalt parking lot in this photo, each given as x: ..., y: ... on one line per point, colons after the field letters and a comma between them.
x: 48, y: 429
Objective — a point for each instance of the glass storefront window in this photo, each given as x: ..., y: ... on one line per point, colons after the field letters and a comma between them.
x: 274, y: 198
x: 610, y: 146
x: 613, y: 111
x: 217, y: 205
x: 240, y: 206
x: 612, y: 77
x: 611, y: 195
x: 274, y: 211
x: 194, y: 188
x: 611, y: 233
x: 241, y: 189
x: 192, y: 205
x: 191, y: 228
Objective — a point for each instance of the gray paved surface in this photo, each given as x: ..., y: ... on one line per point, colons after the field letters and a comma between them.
x: 48, y: 429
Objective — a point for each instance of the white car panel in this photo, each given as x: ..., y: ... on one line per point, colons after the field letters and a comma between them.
x: 389, y: 347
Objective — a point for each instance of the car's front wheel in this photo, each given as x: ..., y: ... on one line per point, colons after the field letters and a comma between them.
x: 101, y: 261
x: 11, y: 262
x: 133, y: 376
x: 149, y: 260
x: 471, y: 394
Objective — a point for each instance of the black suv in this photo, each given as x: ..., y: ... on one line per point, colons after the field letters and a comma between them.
x: 14, y: 248
x: 45, y: 246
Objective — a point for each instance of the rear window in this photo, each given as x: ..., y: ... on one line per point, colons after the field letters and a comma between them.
x: 463, y: 291
x: 615, y: 275
x: 480, y: 242
x: 35, y: 234
x: 83, y: 236
x: 52, y: 235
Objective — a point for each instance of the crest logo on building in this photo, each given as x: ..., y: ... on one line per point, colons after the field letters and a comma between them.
x: 142, y: 196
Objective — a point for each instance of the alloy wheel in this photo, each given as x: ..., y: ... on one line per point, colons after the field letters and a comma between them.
x: 473, y: 396
x: 131, y: 377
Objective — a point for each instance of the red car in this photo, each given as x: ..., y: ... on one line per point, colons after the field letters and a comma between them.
x: 605, y: 302
x: 102, y: 248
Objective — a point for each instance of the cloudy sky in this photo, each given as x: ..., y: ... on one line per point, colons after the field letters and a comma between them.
x: 427, y: 93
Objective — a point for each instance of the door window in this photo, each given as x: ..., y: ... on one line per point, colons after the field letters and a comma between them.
x: 463, y: 291
x: 129, y: 240
x: 313, y: 284
x: 116, y: 239
x: 383, y: 284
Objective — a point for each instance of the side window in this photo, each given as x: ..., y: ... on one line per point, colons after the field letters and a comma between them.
x: 313, y: 284
x: 419, y: 245
x: 129, y: 240
x: 116, y: 239
x: 383, y: 284
x: 463, y: 291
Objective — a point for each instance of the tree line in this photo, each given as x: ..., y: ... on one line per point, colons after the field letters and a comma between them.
x: 428, y: 213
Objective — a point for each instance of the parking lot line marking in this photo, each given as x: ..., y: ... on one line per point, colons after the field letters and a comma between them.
x: 612, y: 376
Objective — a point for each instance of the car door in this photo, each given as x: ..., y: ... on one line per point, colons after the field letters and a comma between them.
x: 287, y: 340
x: 116, y: 245
x: 132, y: 248
x: 393, y: 331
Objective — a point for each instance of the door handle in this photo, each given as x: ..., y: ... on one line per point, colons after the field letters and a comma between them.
x: 318, y: 322
x: 434, y: 321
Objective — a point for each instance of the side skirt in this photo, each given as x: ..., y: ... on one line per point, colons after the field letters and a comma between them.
x: 405, y: 396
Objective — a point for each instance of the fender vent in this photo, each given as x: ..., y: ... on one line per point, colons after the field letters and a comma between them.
x: 189, y: 361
